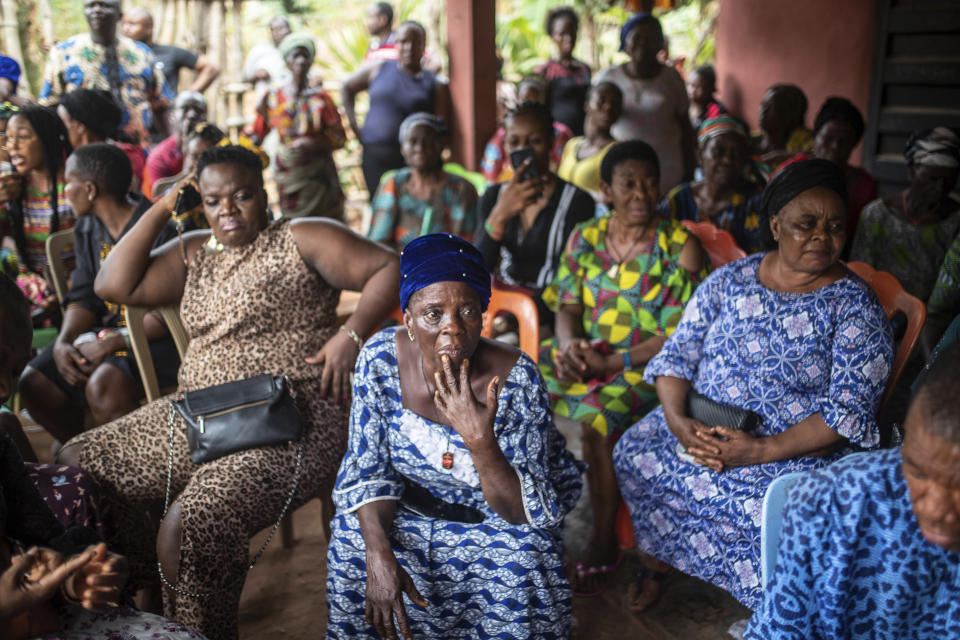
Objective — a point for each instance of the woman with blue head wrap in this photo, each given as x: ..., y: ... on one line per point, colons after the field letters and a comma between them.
x: 452, y: 452
x: 655, y: 102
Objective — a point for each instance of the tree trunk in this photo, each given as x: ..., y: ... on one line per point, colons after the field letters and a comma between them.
x: 11, y: 36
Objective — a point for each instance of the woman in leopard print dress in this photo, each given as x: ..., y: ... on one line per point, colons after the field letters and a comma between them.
x: 257, y: 297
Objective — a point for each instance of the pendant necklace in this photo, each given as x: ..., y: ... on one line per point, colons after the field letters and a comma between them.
x: 614, y: 270
x: 447, y: 460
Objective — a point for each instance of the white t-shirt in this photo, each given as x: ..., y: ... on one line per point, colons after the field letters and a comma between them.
x: 651, y: 112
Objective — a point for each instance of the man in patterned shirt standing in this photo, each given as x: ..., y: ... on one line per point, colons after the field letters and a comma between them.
x: 103, y: 59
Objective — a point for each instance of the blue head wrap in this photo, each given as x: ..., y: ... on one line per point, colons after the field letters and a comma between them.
x: 632, y: 23
x: 10, y: 69
x: 442, y: 257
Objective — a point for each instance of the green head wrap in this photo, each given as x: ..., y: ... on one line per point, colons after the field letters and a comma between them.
x: 299, y: 39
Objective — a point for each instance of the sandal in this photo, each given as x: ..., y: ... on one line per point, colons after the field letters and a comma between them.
x: 603, y: 569
x: 637, y: 587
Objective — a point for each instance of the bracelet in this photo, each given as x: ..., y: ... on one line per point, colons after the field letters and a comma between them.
x: 627, y: 360
x: 353, y: 335
x: 493, y: 233
x: 66, y: 596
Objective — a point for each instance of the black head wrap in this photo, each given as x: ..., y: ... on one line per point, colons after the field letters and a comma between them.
x: 793, y: 180
x: 796, y: 178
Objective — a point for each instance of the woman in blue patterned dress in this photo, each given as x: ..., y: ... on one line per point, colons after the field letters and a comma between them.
x: 455, y: 482
x: 791, y: 335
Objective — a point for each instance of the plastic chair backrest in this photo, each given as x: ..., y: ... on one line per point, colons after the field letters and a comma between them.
x: 528, y: 319
x: 772, y: 521
x: 894, y: 298
x: 771, y: 518
x: 719, y: 244
x: 476, y: 179
x: 141, y: 348
x: 57, y: 243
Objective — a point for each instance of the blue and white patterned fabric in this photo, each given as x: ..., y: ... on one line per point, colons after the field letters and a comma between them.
x: 486, y: 580
x: 785, y: 356
x: 853, y: 564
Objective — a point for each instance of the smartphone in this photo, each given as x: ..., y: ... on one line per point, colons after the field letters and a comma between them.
x: 520, y: 156
x: 187, y: 199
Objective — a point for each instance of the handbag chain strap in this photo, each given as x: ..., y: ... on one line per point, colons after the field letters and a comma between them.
x: 172, y: 421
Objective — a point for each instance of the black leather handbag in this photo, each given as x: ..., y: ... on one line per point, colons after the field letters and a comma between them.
x: 231, y: 417
x: 250, y: 413
x: 713, y: 414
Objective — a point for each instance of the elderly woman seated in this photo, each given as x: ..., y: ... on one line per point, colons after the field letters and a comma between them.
x: 54, y: 579
x: 619, y: 292
x: 870, y: 546
x: 725, y: 197
x: 455, y: 482
x: 422, y: 198
x: 791, y: 347
x: 258, y: 299
x: 909, y: 233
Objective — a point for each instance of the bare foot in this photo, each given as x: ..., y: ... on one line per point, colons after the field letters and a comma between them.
x: 643, y: 593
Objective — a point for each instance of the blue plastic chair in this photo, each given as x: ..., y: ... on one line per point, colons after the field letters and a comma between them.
x: 772, y: 520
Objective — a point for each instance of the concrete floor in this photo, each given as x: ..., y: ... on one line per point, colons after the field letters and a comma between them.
x: 284, y: 595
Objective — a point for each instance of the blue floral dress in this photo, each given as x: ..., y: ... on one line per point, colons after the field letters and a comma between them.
x: 852, y: 562
x: 785, y: 356
x: 486, y: 580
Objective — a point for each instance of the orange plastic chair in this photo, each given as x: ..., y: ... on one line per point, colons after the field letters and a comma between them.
x: 624, y: 528
x: 719, y: 244
x: 519, y: 304
x: 894, y: 298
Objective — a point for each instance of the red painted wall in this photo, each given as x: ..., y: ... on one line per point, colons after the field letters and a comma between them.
x: 823, y: 46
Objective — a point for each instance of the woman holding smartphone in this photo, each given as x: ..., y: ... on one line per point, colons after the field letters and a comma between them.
x: 527, y: 220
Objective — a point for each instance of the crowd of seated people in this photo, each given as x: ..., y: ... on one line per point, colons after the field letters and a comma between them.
x: 429, y: 445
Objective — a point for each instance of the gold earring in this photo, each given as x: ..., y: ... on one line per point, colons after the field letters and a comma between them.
x: 410, y: 335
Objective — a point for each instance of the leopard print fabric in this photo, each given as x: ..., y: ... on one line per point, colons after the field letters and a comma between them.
x: 249, y: 311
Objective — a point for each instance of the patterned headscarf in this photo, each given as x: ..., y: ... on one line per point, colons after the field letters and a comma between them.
x: 442, y: 257
x: 713, y: 127
x: 422, y: 118
x: 937, y: 147
x: 299, y: 39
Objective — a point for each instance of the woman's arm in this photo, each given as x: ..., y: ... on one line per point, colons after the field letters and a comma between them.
x: 133, y: 275
x: 348, y: 261
x: 355, y: 83
x: 811, y: 437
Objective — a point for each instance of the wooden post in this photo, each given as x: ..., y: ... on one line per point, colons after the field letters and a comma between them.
x: 184, y: 38
x: 218, y: 55
x: 471, y: 27
x: 165, y: 34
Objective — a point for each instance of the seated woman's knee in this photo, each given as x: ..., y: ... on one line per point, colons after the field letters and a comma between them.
x: 110, y: 392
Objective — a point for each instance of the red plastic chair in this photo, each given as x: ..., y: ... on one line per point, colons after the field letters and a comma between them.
x: 894, y: 298
x: 719, y: 244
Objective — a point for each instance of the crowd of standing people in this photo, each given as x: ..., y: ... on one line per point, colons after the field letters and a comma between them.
x: 444, y: 478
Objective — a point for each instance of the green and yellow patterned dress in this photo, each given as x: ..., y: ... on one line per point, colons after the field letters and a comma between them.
x: 623, y: 305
